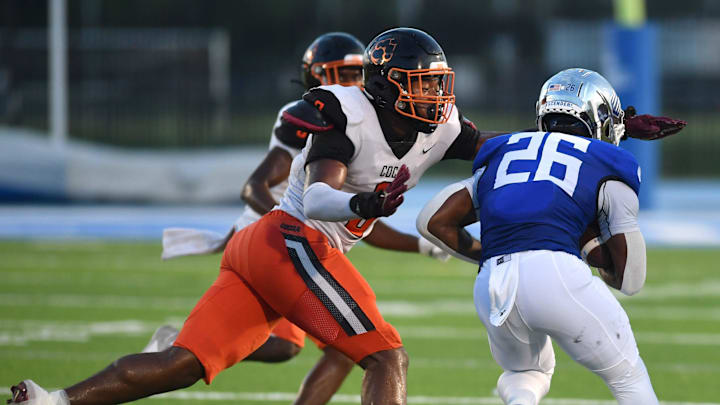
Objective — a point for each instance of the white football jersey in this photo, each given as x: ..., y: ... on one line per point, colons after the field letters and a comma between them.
x: 249, y: 215
x: 372, y: 166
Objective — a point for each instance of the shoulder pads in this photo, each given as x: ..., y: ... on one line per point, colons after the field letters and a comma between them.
x: 352, y: 100
x: 339, y: 105
x: 304, y: 115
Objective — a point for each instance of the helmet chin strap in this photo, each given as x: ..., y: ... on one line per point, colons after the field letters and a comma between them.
x: 427, y: 127
x: 420, y: 126
x: 382, y: 94
x: 431, y: 111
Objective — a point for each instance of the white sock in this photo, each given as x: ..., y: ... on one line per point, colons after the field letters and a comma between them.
x: 59, y: 398
x: 630, y: 384
x: 523, y: 388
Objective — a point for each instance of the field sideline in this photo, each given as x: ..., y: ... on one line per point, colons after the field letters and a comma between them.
x: 70, y: 308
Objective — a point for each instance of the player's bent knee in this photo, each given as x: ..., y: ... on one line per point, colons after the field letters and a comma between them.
x: 524, y: 387
x: 287, y: 350
x: 629, y: 384
x: 386, y: 358
x: 277, y: 350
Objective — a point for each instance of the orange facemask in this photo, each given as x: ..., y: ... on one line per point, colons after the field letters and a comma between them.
x: 339, y: 71
x: 437, y: 102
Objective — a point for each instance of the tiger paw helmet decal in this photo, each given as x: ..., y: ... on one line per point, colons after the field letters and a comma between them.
x: 383, y: 51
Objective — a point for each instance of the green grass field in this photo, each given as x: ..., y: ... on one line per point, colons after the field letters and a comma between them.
x: 69, y: 309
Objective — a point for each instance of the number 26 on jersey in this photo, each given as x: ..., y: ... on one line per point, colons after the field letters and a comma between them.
x: 549, y: 154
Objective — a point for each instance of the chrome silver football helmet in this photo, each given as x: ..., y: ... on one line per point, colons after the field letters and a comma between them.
x: 587, y: 96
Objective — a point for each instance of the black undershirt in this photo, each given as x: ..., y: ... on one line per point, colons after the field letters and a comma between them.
x: 463, y: 147
x: 400, y: 146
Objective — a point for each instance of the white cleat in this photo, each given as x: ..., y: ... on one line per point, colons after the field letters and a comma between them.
x: 163, y: 338
x: 29, y: 393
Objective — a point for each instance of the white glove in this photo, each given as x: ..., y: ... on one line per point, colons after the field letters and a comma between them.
x: 425, y: 247
x: 179, y: 242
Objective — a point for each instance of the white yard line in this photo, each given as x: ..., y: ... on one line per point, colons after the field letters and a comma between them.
x: 399, y: 308
x: 98, y: 301
x: 672, y: 313
x: 355, y: 399
x: 704, y: 288
x: 433, y: 363
x: 684, y: 339
x: 21, y: 332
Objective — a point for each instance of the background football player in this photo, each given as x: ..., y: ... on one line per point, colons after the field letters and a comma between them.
x: 534, y: 194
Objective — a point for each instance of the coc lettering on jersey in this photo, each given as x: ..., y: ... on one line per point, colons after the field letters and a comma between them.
x: 389, y: 171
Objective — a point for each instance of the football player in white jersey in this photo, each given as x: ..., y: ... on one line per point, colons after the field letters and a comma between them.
x: 291, y: 262
x: 332, y: 58
x: 532, y: 284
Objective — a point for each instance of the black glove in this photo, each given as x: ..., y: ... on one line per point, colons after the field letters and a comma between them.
x: 381, y: 203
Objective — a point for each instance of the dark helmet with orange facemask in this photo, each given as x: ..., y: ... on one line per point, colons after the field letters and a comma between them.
x: 405, y: 70
x: 333, y: 58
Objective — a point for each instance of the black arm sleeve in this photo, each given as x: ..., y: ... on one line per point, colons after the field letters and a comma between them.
x: 332, y: 144
x: 463, y: 147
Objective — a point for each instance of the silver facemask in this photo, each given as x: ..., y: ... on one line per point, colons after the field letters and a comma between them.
x: 587, y: 96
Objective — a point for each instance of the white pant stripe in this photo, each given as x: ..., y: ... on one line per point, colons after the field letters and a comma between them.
x: 334, y: 297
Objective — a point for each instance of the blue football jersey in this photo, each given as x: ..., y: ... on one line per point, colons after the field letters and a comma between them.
x: 538, y: 190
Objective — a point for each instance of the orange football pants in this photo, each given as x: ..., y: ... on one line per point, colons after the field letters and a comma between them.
x: 278, y: 267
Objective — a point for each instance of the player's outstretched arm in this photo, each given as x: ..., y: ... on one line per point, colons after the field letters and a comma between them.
x: 649, y: 127
x: 384, y: 236
x: 273, y: 170
x: 443, y: 219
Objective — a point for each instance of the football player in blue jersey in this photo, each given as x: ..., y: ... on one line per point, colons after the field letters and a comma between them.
x: 534, y: 194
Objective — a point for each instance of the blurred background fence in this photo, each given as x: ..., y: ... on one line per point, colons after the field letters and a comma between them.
x: 184, y: 74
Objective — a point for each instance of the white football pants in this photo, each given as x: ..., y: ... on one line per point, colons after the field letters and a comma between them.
x: 556, y: 296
